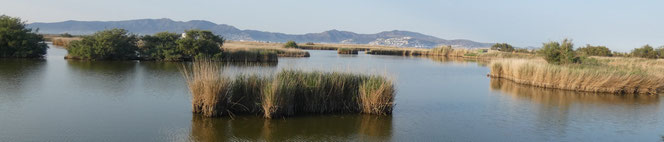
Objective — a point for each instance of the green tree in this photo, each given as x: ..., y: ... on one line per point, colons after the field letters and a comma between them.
x: 290, y: 44
x: 557, y: 53
x: 18, y: 41
x: 200, y: 44
x: 161, y: 46
x: 113, y: 44
x: 590, y: 50
x: 645, y: 51
x: 502, y: 47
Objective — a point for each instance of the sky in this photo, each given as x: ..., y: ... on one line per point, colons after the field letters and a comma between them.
x: 620, y: 25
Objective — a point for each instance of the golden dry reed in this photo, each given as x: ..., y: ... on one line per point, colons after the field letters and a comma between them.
x: 287, y: 93
x: 608, y: 76
x: 210, y: 91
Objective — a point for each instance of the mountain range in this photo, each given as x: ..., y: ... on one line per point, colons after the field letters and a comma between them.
x: 151, y: 26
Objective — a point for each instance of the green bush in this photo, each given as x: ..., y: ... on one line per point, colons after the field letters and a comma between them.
x: 66, y: 35
x: 502, y: 47
x: 290, y: 44
x: 557, y: 53
x: 645, y: 51
x: 161, y: 46
x: 200, y: 44
x: 17, y: 41
x: 590, y: 50
x: 113, y: 44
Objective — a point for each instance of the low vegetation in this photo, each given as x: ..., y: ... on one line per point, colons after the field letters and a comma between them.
x: 590, y: 50
x: 265, y: 47
x: 118, y: 44
x: 113, y: 44
x: 346, y: 51
x: 288, y: 93
x: 290, y: 44
x: 562, y: 68
x: 607, y: 75
x: 502, y: 47
x: 18, y: 41
x: 647, y: 52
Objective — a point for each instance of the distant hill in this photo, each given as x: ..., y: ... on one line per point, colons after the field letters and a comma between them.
x: 151, y: 26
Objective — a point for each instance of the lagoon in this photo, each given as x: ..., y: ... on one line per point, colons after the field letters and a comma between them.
x: 437, y: 100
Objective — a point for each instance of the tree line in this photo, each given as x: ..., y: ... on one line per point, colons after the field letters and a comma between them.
x: 118, y: 44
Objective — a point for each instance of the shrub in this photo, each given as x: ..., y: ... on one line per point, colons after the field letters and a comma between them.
x: 17, y: 41
x: 645, y: 51
x: 114, y: 44
x: 290, y: 44
x: 502, y: 47
x: 557, y: 53
x: 66, y: 35
x: 161, y: 46
x: 200, y: 44
x: 309, y: 43
x: 590, y: 50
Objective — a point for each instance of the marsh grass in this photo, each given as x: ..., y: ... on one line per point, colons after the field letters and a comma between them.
x: 287, y: 93
x: 210, y: 91
x: 63, y: 41
x: 346, y: 51
x: 238, y: 55
x: 606, y: 75
x: 265, y: 47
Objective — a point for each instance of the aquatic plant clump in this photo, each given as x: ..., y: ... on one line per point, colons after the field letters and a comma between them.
x: 288, y: 93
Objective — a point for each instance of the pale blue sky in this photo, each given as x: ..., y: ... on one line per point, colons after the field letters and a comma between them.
x: 619, y: 24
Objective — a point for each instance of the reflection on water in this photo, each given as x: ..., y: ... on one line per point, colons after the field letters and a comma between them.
x: 565, y: 98
x: 19, y: 76
x: 458, y: 60
x: 557, y: 111
x: 309, y: 128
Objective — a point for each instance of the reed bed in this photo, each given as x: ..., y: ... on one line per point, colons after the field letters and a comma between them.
x: 266, y: 47
x: 239, y: 55
x: 63, y: 41
x: 346, y: 51
x: 287, y: 93
x: 607, y: 76
x: 358, y: 47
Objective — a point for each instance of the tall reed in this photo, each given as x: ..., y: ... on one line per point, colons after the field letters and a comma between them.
x: 602, y: 77
x: 287, y: 93
x: 210, y: 91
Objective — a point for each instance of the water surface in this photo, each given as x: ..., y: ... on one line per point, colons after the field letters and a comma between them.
x: 437, y: 100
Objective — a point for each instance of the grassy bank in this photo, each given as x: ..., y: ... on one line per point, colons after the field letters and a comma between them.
x: 346, y: 51
x: 606, y: 75
x: 270, y: 47
x: 288, y: 93
x: 357, y: 47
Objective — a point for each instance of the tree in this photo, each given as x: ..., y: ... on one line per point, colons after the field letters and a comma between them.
x: 502, y: 47
x: 645, y: 51
x: 113, y: 44
x: 18, y: 41
x: 290, y: 44
x: 161, y: 46
x: 200, y: 44
x: 557, y: 53
x: 590, y: 50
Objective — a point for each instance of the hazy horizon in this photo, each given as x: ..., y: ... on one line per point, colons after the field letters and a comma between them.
x: 619, y: 25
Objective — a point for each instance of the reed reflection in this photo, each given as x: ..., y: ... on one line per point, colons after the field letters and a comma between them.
x: 305, y: 128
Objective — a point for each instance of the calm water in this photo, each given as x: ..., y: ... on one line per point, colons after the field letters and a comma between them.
x: 437, y: 100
